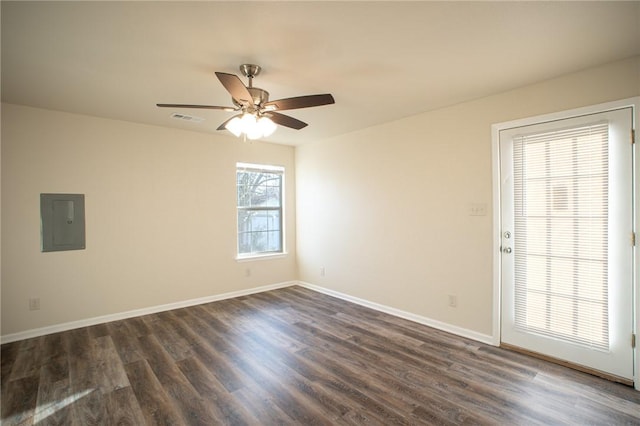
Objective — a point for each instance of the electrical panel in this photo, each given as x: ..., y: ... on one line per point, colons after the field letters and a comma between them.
x: 62, y: 221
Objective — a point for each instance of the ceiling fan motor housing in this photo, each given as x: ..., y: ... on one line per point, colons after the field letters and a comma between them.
x: 259, y: 96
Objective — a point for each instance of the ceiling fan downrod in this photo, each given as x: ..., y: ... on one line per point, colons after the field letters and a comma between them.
x: 250, y: 71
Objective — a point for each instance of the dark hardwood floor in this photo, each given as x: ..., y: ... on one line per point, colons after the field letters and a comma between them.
x: 291, y: 356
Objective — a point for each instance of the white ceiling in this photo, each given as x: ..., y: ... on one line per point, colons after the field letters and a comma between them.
x: 381, y: 60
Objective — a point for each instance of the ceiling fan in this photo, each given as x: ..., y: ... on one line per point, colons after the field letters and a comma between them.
x: 258, y: 117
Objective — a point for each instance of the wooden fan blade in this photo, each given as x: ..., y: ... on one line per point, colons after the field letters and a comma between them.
x: 285, y: 120
x: 235, y: 87
x: 300, y: 102
x: 223, y: 126
x: 196, y: 106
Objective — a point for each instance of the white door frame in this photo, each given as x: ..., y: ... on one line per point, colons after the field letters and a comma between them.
x: 497, y: 238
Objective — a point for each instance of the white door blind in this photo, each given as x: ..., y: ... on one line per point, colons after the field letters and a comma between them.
x: 561, y: 234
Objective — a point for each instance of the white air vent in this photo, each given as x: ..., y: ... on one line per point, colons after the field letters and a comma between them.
x: 186, y: 117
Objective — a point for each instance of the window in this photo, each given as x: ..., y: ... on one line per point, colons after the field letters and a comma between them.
x: 259, y: 192
x: 561, y: 219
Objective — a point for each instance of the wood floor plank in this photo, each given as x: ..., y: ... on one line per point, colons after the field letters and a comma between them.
x: 85, y: 378
x: 98, y: 330
x: 28, y: 359
x: 123, y: 408
x: 163, y: 327
x: 89, y: 407
x: 588, y: 394
x: 513, y: 390
x: 291, y: 356
x: 263, y: 406
x: 19, y: 401
x: 228, y: 409
x: 125, y: 341
x: 54, y: 346
x: 495, y: 412
x: 51, y: 406
x: 182, y: 394
x: 308, y: 381
x: 339, y: 389
x: 379, y: 398
x: 394, y: 378
x: 155, y: 404
x: 188, y: 335
x: 285, y: 391
x: 57, y: 369
x: 138, y: 326
x: 211, y: 353
x: 54, y: 387
x: 386, y: 381
x: 8, y: 354
x: 294, y: 398
x: 109, y: 372
x: 484, y: 401
x: 601, y: 413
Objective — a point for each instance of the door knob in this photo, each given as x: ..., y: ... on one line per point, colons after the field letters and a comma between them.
x: 507, y: 250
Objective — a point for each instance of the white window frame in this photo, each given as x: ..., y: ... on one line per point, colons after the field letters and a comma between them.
x: 267, y: 169
x: 497, y: 240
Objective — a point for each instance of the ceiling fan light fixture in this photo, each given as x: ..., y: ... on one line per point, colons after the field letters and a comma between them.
x: 251, y: 126
x: 235, y: 126
x: 248, y: 121
x: 254, y: 133
x: 267, y: 126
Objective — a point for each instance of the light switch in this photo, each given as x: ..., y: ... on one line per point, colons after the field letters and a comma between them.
x: 477, y: 209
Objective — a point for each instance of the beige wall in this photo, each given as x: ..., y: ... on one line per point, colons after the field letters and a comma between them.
x: 385, y: 210
x: 160, y: 216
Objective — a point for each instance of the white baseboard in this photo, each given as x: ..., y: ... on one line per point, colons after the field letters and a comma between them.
x: 37, y: 332
x: 459, y: 331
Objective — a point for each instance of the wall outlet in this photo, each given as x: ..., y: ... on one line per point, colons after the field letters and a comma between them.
x: 453, y: 301
x: 322, y: 271
x: 247, y: 272
x: 34, y: 304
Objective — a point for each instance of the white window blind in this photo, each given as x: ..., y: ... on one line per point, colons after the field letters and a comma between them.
x: 561, y: 234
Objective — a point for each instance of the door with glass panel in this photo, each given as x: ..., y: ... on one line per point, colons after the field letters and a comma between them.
x: 567, y: 253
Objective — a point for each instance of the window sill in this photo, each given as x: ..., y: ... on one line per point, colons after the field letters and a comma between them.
x: 267, y: 256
